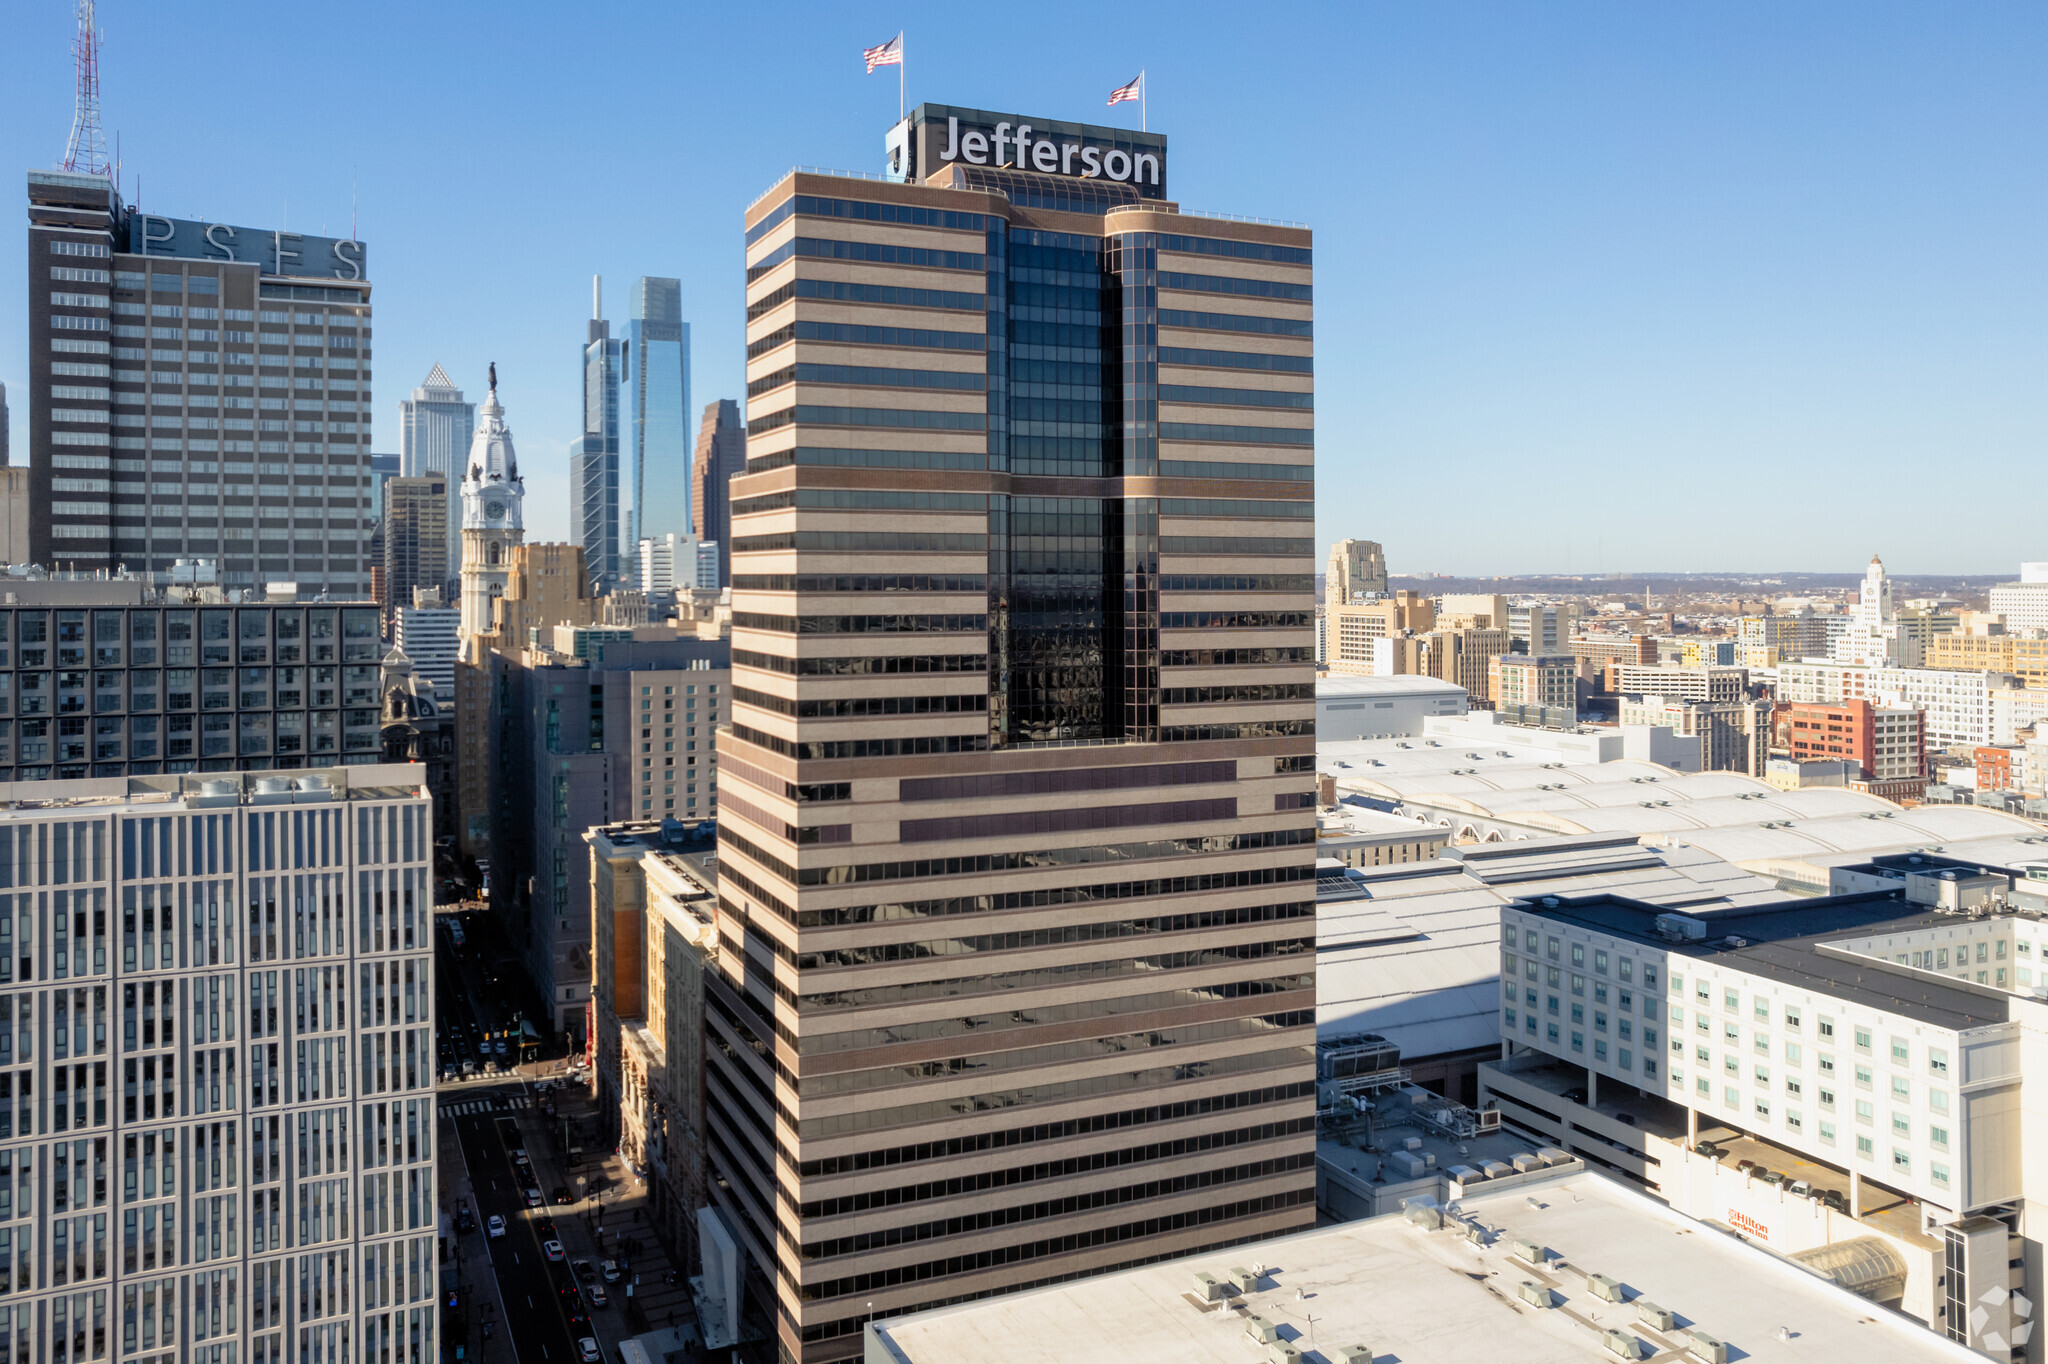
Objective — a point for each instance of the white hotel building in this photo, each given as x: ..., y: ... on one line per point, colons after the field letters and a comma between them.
x: 216, y: 1069
x: 1861, y: 1043
x: 1958, y: 704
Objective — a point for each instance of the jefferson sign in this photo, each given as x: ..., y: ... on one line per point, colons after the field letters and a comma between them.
x: 937, y: 135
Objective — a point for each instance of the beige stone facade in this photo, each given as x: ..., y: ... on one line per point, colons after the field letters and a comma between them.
x: 1018, y: 827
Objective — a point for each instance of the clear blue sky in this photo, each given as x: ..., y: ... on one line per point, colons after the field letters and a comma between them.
x: 1600, y: 286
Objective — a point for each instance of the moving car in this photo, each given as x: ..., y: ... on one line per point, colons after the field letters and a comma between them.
x: 561, y: 1194
x: 533, y: 1198
x: 499, y: 1046
x: 598, y: 1297
x: 496, y: 1226
x: 553, y: 1250
x: 610, y: 1270
x: 587, y: 1351
x: 468, y: 1067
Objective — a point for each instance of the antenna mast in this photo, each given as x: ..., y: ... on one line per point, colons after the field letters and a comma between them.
x: 86, y: 152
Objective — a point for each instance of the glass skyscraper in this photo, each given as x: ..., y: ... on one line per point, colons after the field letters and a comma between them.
x: 435, y: 426
x: 594, y: 456
x: 656, y: 399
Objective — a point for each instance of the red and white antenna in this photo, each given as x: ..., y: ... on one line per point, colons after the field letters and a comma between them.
x: 86, y: 152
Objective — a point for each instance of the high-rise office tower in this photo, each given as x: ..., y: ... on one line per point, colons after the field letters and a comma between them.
x: 198, y: 390
x: 655, y: 397
x: 721, y: 453
x: 1017, y: 792
x: 435, y: 426
x: 594, y: 455
x: 4, y: 433
x: 230, y: 1093
x: 383, y: 468
x: 1357, y: 568
x: 415, y: 539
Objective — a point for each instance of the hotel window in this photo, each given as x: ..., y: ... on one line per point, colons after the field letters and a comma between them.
x: 1599, y: 1020
x: 1599, y: 992
x: 1937, y: 1137
x: 1553, y: 977
x: 1528, y: 963
x: 1760, y: 1009
x: 1761, y: 1044
x: 1731, y: 1097
x: 1550, y: 1031
x: 2001, y: 976
x: 1650, y: 978
x: 1827, y: 1133
x: 1827, y: 1098
x: 1628, y: 1058
x: 1529, y: 941
x: 1863, y: 1040
x: 1762, y: 1075
x: 1794, y: 1085
x: 1703, y: 1087
x: 1600, y: 963
x: 2000, y: 954
x: 1981, y: 953
x: 1509, y: 1015
x: 1902, y: 1161
x: 1508, y: 965
x: 1827, y: 1063
x: 1624, y: 1029
x: 1599, y: 1050
x: 1899, y: 1053
x: 1866, y: 1112
x: 1763, y: 1109
x: 1866, y: 1148
x: 1650, y: 1070
x: 1628, y: 968
x: 1677, y: 983
x: 1550, y: 1004
x: 1650, y: 1039
x: 1938, y: 1172
x: 1902, y: 1089
x: 1703, y: 994
x: 1825, y: 1026
x: 1731, y: 1034
x: 1529, y: 1025
x: 1578, y: 1041
x: 1700, y: 1054
x: 1791, y: 1018
x: 1625, y: 1000
x: 1937, y: 1099
x: 1579, y: 986
x: 1552, y: 946
x: 1863, y: 1077
x: 1731, y: 1000
x: 1902, y: 1126
x: 1731, y: 1065
x: 1578, y: 954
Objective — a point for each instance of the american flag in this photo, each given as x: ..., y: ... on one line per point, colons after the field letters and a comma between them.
x: 887, y: 54
x: 1128, y: 92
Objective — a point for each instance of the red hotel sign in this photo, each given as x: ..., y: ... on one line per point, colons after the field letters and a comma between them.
x: 1748, y: 1225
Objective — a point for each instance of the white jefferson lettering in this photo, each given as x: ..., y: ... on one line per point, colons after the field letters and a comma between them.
x: 1045, y: 154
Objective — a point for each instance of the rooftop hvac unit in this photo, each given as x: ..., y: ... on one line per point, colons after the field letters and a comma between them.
x: 1620, y: 1343
x: 1243, y: 1280
x: 1663, y: 1318
x: 1680, y: 926
x: 1475, y: 1233
x: 1209, y: 1288
x: 1525, y: 1162
x: 1425, y: 1215
x: 1283, y: 1352
x: 1261, y: 1331
x: 1700, y: 1345
x: 1354, y: 1354
x: 1529, y: 1252
x: 1535, y: 1294
x: 1604, y: 1288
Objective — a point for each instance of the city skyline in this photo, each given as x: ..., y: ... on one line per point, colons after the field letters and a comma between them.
x: 1580, y: 254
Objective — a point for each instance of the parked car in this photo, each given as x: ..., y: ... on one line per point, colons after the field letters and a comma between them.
x: 610, y: 1270
x: 1801, y: 1188
x: 583, y: 1270
x: 468, y: 1067
x: 1772, y: 1177
x: 465, y: 1220
x: 533, y: 1198
x: 587, y: 1351
x: 1835, y: 1199
x: 553, y: 1251
x: 496, y: 1226
x: 598, y: 1297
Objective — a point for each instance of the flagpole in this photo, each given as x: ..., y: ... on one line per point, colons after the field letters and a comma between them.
x: 1144, y: 115
x: 902, y: 51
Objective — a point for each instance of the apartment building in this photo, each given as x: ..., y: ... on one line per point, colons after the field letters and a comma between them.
x: 1735, y: 736
x: 1877, y: 1047
x: 217, y: 1080
x: 1681, y: 683
x: 2026, y: 659
x: 1604, y: 653
x: 1888, y: 744
x: 2024, y: 604
x: 1022, y: 591
x: 1352, y: 629
x: 1549, y: 681
x: 1958, y: 705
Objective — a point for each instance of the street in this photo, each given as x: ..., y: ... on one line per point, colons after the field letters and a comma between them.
x: 537, y: 1310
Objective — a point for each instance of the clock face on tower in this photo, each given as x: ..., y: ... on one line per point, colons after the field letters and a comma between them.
x: 494, y: 511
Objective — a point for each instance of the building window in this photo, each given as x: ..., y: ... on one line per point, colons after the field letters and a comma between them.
x: 1509, y: 1015
x: 1552, y: 946
x: 1550, y: 1031
x: 1579, y: 986
x: 1763, y: 1109
x: 1794, y: 1120
x: 1731, y: 1000
x: 1901, y: 1125
x: 1731, y: 1097
x: 1863, y: 1077
x: 1866, y: 1148
x: 1866, y: 1113
x: 1628, y: 968
x: 1600, y: 963
x: 1863, y: 1040
x: 1937, y: 1137
x: 1791, y: 1018
x: 1899, y: 1053
x: 1938, y: 1172
x: 1827, y: 1133
x: 1825, y: 1026
x: 1650, y: 978
x: 1650, y: 1070
x: 1902, y: 1161
x: 1677, y: 982
x: 1578, y: 1041
x: 1599, y: 1050
x: 1578, y: 954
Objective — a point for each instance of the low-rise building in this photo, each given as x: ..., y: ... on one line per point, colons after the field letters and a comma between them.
x: 1797, y: 774
x: 1870, y: 1051
x: 1888, y: 744
x: 1734, y: 735
x: 1681, y: 683
x: 1548, y: 1264
x: 1361, y: 707
x: 1545, y: 681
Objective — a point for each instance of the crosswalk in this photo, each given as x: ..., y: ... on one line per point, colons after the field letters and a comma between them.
x: 491, y: 1104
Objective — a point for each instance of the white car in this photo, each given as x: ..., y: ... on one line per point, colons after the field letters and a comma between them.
x: 598, y: 1297
x: 587, y: 1351
x: 495, y: 1225
x: 553, y: 1250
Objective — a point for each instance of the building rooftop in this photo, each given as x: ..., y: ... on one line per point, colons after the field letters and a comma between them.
x: 1388, y: 1286
x: 1784, y: 942
x: 169, y: 794
x: 1412, y: 951
x: 1400, y: 684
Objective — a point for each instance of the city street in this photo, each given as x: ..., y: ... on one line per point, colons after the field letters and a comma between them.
x: 537, y: 1309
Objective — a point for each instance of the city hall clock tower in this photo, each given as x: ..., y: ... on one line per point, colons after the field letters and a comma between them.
x: 493, y: 516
